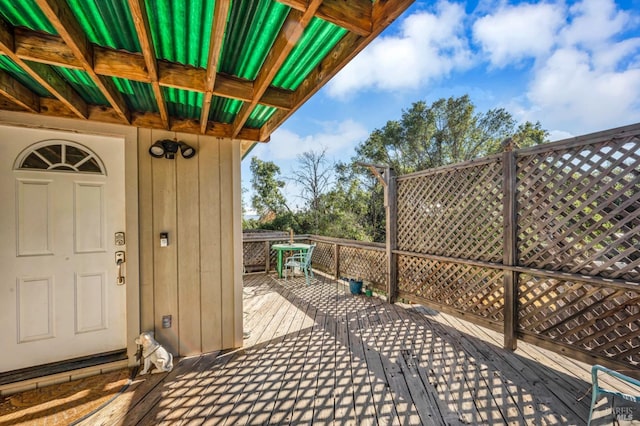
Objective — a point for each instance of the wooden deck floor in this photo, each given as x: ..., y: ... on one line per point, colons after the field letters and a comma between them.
x: 319, y: 355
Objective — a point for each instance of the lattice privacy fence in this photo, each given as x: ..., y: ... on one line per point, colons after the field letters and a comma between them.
x: 577, y: 245
x: 365, y: 261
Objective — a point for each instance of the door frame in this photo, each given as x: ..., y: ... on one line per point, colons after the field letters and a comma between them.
x: 130, y: 136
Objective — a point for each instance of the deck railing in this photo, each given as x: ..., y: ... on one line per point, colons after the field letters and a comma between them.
x: 542, y: 244
x: 337, y: 257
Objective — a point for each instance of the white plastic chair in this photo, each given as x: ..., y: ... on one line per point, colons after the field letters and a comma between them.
x: 302, y: 261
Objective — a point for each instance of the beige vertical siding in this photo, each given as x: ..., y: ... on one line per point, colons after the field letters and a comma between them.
x: 197, y: 279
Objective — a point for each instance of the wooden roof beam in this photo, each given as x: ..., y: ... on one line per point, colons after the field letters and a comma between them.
x: 287, y: 38
x: 13, y: 90
x: 105, y: 114
x: 220, y: 14
x: 44, y: 48
x: 141, y: 22
x: 43, y: 74
x: 383, y: 14
x: 61, y: 17
x: 49, y: 49
x: 352, y: 15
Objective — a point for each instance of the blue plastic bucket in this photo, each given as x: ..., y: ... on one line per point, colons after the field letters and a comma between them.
x: 355, y: 286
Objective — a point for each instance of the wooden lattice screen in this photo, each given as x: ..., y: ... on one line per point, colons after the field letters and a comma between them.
x: 365, y: 261
x: 577, y: 264
x: 453, y: 212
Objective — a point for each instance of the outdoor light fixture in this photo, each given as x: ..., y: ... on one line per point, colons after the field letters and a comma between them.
x: 167, y: 148
x: 186, y: 150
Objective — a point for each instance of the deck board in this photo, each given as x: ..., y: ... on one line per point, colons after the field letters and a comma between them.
x: 319, y: 355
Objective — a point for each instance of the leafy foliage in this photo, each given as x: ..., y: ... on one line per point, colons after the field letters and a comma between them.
x: 349, y: 202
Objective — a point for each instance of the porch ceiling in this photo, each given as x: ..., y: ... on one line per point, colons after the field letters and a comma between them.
x: 228, y: 68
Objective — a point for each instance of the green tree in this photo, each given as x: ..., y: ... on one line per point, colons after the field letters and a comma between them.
x: 267, y: 187
x: 445, y: 132
x: 346, y: 207
x: 426, y: 136
x: 529, y: 134
x: 313, y: 175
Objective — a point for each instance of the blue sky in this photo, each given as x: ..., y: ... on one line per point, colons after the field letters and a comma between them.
x: 573, y: 66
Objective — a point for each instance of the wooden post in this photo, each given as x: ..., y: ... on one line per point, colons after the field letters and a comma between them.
x: 510, y: 256
x: 267, y: 250
x: 391, y: 206
x: 336, y: 260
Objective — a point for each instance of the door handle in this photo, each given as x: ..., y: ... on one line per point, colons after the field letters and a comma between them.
x: 120, y: 259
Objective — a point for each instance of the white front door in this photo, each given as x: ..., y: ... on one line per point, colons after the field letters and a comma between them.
x: 62, y: 197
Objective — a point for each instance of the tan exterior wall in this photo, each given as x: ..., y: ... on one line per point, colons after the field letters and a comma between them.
x: 197, y: 279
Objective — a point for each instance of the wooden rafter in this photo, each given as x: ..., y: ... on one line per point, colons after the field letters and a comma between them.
x: 17, y: 93
x: 141, y: 22
x: 287, y: 38
x: 43, y: 74
x: 50, y: 49
x: 383, y: 14
x: 55, y: 108
x: 220, y: 13
x: 354, y: 15
x: 65, y: 23
x: 37, y: 53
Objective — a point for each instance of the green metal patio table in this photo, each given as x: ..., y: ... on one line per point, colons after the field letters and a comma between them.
x: 281, y: 248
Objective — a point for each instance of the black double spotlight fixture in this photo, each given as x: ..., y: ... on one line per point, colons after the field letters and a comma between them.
x: 167, y: 148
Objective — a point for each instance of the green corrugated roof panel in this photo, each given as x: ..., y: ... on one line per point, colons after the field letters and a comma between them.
x: 181, y: 29
x: 25, y: 79
x: 183, y: 103
x: 139, y: 96
x: 318, y: 39
x: 83, y: 84
x: 99, y: 18
x: 260, y: 115
x: 252, y: 28
x: 224, y: 110
x: 25, y: 13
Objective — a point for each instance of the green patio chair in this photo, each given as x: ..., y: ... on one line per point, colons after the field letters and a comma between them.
x: 301, y: 261
x: 597, y: 390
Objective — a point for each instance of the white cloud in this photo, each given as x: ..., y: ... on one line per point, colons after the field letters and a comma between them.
x: 558, y: 135
x: 590, y: 78
x: 569, y: 92
x: 593, y: 22
x: 517, y: 32
x: 336, y: 137
x: 428, y: 47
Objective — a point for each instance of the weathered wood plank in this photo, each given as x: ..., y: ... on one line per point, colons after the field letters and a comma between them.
x: 541, y: 391
x: 285, y: 399
x: 317, y: 354
x: 260, y: 379
x: 223, y: 394
x: 365, y: 409
x: 380, y: 383
x: 302, y: 412
x: 323, y: 403
x: 264, y: 404
x: 144, y: 396
x: 345, y: 392
x: 392, y: 361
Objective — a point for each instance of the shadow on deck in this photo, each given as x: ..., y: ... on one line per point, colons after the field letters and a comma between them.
x: 319, y: 355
